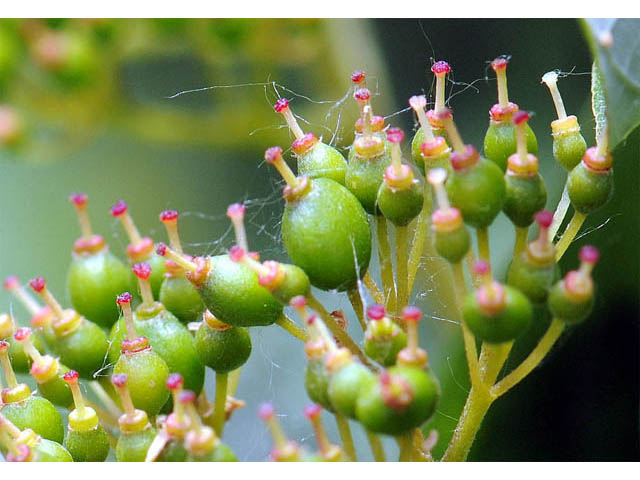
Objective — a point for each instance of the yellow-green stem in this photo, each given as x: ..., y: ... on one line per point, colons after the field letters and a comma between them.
x: 521, y: 241
x: 560, y: 213
x: 234, y: 380
x: 345, y: 435
x: 358, y: 306
x: 376, y: 447
x: 386, y: 266
x: 470, y: 259
x: 484, y: 252
x: 569, y: 234
x: 373, y: 288
x: 219, y: 410
x: 292, y: 327
x: 405, y: 442
x: 469, y: 340
x: 492, y: 358
x: 532, y: 361
x: 401, y: 268
x: 421, y: 234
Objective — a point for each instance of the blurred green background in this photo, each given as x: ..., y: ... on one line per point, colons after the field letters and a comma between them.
x: 107, y: 126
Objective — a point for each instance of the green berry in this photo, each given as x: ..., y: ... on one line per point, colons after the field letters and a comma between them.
x: 181, y: 298
x: 33, y: 412
x: 47, y: 451
x: 401, y: 398
x: 221, y: 347
x: 19, y: 358
x: 173, y: 451
x: 500, y: 142
x: 316, y: 382
x: 569, y: 145
x: 132, y: 447
x: 365, y: 172
x: 383, y: 339
x: 400, y: 206
x: 590, y: 183
x: 347, y: 381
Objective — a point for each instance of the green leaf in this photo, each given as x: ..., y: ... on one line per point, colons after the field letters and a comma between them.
x: 615, y: 45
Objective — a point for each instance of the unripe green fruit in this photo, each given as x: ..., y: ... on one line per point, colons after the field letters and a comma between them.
x: 478, y: 192
x: 503, y: 326
x: 223, y: 349
x: 322, y: 161
x: 173, y: 451
x: 20, y: 361
x: 316, y: 383
x: 570, y: 310
x: 168, y: 338
x: 589, y: 189
x: 93, y: 282
x: 569, y: 145
x: 132, y: 447
x: 38, y: 414
x: 158, y: 270
x: 525, y: 196
x: 56, y: 390
x: 363, y: 178
x: 400, y: 206
x: 346, y: 385
x: 453, y: 245
x: 532, y: 279
x: 79, y: 62
x: 220, y: 453
x: 441, y: 161
x: 146, y: 374
x: 181, y: 298
x: 378, y: 414
x: 232, y: 293
x: 88, y: 446
x: 296, y: 282
x: 326, y: 233
x: 383, y: 347
x: 48, y: 451
x: 500, y: 142
x: 84, y: 349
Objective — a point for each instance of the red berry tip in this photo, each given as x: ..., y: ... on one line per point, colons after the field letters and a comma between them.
x: 169, y: 216
x: 418, y: 102
x: 11, y: 283
x: 312, y: 411
x: 481, y: 267
x: 4, y: 346
x: 281, y: 105
x: 411, y: 313
x: 266, y: 411
x: 118, y: 208
x: 362, y: 94
x: 123, y: 298
x: 272, y: 154
x: 395, y: 135
x: 142, y: 270
x: 235, y: 210
x: 80, y: 199
x: 236, y: 253
x: 521, y: 116
x: 544, y: 218
x: 312, y: 319
x: 385, y: 378
x: 22, y: 334
x: 376, y: 312
x: 174, y: 382
x: 358, y: 76
x: 71, y: 376
x: 299, y: 301
x: 500, y: 62
x: 589, y: 254
x: 38, y: 284
x: 440, y: 67
x: 119, y: 379
x: 445, y: 113
x: 161, y: 249
x: 186, y: 397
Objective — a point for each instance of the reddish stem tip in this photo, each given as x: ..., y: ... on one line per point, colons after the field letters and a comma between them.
x: 169, y: 216
x: 312, y: 411
x: 186, y: 397
x: 411, y: 313
x: 481, y: 267
x: 22, y: 334
x: 123, y: 298
x: 299, y: 301
x: 312, y: 319
x: 119, y: 380
x: 80, y: 199
x: 362, y: 94
x: 521, y: 116
x: 385, y: 378
x: 395, y: 135
x: 272, y: 154
x: 544, y: 218
x: 71, y: 376
x: 500, y: 63
x: 376, y: 312
x: 161, y: 249
x: 174, y: 382
x: 4, y: 346
x: 118, y: 208
x: 358, y: 76
x: 236, y: 253
x: 443, y: 114
x: 142, y: 270
x: 440, y: 67
x: 38, y: 284
x: 236, y: 210
x: 11, y: 283
x: 589, y: 254
x: 266, y: 411
x: 281, y: 105
x: 418, y: 102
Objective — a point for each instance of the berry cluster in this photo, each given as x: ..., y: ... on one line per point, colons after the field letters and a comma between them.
x: 144, y: 354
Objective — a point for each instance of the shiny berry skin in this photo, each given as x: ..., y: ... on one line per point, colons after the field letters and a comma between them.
x: 380, y: 410
x: 590, y: 183
x: 221, y: 347
x: 383, y: 339
x: 88, y: 446
x: 48, y: 451
x: 569, y: 145
x: 346, y: 385
x: 181, y: 298
x: 296, y: 282
x: 84, y: 349
x: 316, y: 159
x: 321, y: 231
x: 505, y: 324
x: 316, y: 383
x: 133, y: 447
x: 525, y: 196
x: 93, y: 282
x: 441, y: 160
x: 234, y: 295
x: 533, y: 279
x: 56, y: 390
x: 452, y: 243
x: 365, y: 175
x: 36, y: 413
x: 500, y: 142
x: 478, y: 191
x: 400, y: 206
